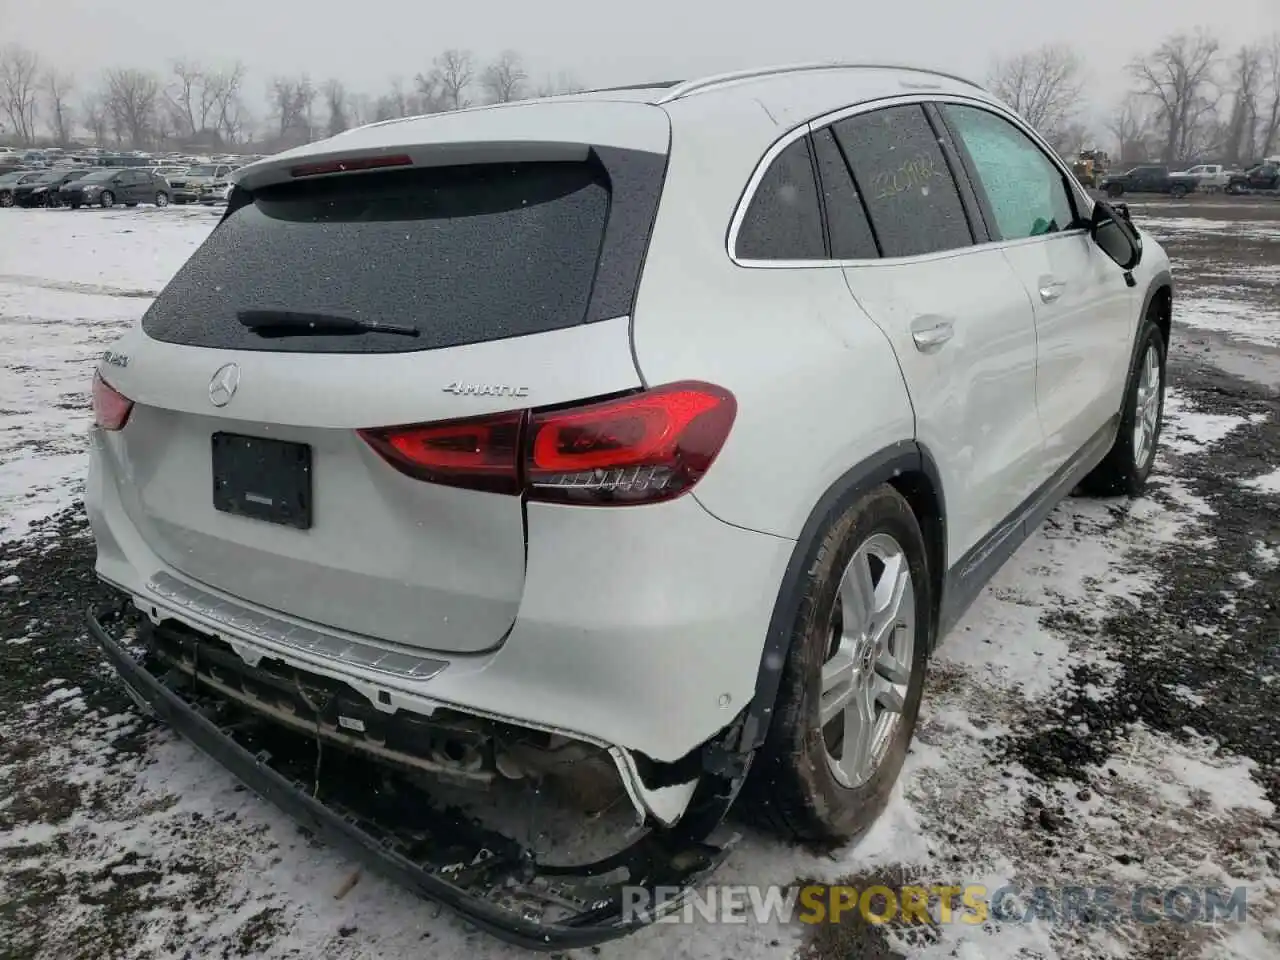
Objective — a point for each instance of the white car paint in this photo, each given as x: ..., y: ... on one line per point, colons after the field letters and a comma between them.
x: 640, y: 628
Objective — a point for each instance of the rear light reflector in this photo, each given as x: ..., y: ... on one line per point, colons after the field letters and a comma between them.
x: 641, y: 448
x: 481, y: 453
x: 351, y: 164
x: 111, y: 408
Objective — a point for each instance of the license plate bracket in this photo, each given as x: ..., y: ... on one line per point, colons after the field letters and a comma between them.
x: 262, y: 478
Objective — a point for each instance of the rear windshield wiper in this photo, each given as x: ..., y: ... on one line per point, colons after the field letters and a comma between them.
x: 288, y: 323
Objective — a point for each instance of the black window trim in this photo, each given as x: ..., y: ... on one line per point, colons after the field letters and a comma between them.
x: 1079, y: 199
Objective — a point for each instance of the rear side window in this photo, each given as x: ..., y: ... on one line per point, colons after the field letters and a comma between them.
x: 914, y: 204
x: 784, y: 219
x: 461, y: 254
x: 851, y: 236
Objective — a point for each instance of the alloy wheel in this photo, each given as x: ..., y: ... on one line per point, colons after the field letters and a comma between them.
x: 1146, y: 416
x: 869, y: 657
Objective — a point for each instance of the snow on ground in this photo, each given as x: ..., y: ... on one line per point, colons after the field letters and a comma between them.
x: 68, y: 287
x: 1035, y: 763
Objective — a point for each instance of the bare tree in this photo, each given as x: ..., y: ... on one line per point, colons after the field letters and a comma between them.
x: 293, y: 105
x: 19, y: 89
x: 1131, y: 126
x: 132, y: 99
x: 1270, y: 134
x: 562, y: 83
x: 451, y: 74
x: 1044, y: 86
x: 228, y: 109
x: 1179, y: 78
x: 1247, y: 77
x: 504, y: 79
x: 335, y: 95
x: 57, y: 89
x: 94, y: 109
x: 194, y: 93
x: 360, y: 107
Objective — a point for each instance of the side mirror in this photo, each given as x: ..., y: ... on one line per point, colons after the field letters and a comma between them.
x: 1114, y: 233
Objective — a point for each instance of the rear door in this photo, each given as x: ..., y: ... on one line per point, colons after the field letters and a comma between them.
x: 1083, y: 307
x: 518, y: 278
x: 956, y: 314
x: 130, y: 186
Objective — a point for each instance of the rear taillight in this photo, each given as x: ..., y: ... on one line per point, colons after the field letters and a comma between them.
x: 641, y: 448
x: 111, y: 408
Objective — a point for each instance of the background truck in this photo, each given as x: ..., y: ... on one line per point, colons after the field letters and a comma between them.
x: 1264, y: 178
x: 1148, y: 178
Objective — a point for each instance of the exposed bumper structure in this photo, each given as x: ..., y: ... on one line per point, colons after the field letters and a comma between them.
x: 491, y: 880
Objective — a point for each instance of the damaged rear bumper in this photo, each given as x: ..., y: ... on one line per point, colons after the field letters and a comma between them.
x: 490, y: 880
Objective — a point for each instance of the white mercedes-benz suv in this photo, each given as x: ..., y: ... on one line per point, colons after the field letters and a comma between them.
x: 662, y: 431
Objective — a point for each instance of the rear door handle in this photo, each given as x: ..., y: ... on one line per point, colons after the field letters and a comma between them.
x: 1050, y: 289
x: 931, y: 332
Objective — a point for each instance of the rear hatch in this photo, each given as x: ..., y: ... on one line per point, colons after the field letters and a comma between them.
x: 500, y: 284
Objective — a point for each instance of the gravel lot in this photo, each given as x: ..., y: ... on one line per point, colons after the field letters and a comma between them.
x: 1106, y: 714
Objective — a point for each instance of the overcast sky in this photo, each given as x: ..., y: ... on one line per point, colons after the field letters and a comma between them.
x: 364, y: 42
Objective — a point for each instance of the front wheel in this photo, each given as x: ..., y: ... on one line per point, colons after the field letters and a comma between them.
x: 853, y: 677
x: 1115, y: 190
x: 1178, y: 190
x: 107, y: 200
x: 162, y: 199
x: 1128, y: 465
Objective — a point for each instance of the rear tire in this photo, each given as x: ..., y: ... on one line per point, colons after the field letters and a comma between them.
x: 1115, y: 190
x: 162, y: 199
x: 798, y: 786
x: 1178, y: 191
x: 107, y: 200
x: 1127, y: 466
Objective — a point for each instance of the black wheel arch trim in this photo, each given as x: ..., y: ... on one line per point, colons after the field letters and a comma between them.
x: 1163, y: 280
x: 882, y: 467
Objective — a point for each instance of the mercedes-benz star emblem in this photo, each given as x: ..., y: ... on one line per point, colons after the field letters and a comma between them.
x: 224, y: 383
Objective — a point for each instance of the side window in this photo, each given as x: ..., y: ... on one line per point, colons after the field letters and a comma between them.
x: 1026, y: 191
x: 914, y: 204
x: 851, y: 236
x: 784, y: 221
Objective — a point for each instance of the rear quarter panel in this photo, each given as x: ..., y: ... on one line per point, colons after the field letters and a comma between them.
x: 817, y: 385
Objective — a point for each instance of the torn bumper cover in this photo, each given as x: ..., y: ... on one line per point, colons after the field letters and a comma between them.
x: 489, y: 879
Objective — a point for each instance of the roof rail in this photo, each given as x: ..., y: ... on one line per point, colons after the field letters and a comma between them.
x: 706, y: 83
x: 655, y: 85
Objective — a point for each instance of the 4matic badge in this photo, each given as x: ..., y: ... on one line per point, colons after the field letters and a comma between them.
x: 461, y: 389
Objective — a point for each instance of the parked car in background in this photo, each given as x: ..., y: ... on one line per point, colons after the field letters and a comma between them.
x: 43, y: 190
x: 9, y: 182
x: 1265, y: 176
x: 1209, y: 177
x: 1148, y: 178
x: 107, y: 187
x: 186, y: 187
x: 217, y: 191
